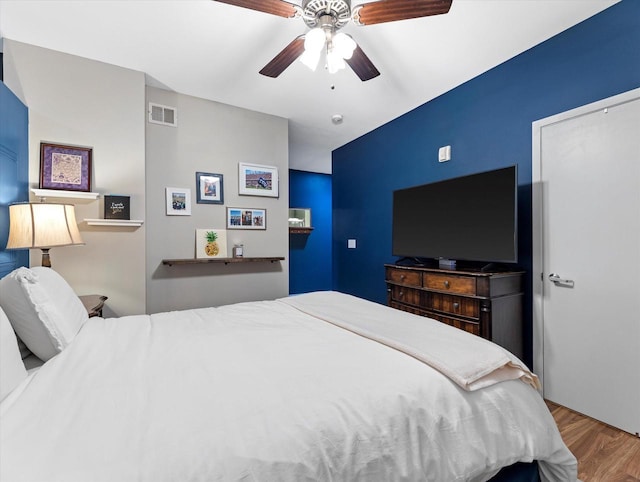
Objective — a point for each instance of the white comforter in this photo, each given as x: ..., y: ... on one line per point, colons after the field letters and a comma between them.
x: 262, y: 392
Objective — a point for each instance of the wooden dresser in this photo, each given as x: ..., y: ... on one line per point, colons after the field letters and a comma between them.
x: 487, y: 304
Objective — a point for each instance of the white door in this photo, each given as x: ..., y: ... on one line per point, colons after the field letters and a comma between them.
x: 587, y: 259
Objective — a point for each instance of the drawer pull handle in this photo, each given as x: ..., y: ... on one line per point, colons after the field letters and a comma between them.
x: 446, y: 284
x: 456, y: 305
x: 402, y: 277
x: 401, y: 294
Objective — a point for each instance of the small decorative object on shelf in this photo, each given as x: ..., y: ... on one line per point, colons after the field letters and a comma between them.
x: 300, y: 221
x: 238, y: 251
x: 116, y: 206
x: 211, y: 243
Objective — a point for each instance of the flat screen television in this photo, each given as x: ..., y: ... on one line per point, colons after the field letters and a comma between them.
x: 471, y: 218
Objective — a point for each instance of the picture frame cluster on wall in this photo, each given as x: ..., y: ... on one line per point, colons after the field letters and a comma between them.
x: 253, y: 180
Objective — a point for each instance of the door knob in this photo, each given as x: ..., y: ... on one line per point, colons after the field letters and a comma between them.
x: 558, y: 281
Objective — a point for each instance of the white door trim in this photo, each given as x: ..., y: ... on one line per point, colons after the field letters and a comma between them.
x: 537, y: 231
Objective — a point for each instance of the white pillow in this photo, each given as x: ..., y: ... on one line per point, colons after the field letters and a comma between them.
x: 43, y: 309
x: 12, y: 370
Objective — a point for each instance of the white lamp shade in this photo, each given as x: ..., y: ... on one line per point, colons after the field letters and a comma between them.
x: 42, y: 225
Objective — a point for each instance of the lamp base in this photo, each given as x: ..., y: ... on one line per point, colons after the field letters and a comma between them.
x: 46, y: 260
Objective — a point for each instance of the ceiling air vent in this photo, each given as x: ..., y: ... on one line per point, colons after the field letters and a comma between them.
x: 163, y: 114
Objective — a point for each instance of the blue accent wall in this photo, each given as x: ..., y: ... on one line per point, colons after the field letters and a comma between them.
x: 487, y: 121
x: 310, y: 255
x: 14, y: 171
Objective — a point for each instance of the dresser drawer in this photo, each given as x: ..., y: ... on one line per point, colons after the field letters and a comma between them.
x: 410, y: 278
x: 406, y: 295
x: 469, y: 326
x: 455, y: 305
x: 465, y: 285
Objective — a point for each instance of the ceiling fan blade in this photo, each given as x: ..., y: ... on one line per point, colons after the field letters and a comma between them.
x: 274, y: 7
x: 392, y: 10
x: 361, y: 65
x: 285, y: 58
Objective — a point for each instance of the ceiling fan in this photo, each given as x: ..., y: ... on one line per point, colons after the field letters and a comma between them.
x: 325, y: 18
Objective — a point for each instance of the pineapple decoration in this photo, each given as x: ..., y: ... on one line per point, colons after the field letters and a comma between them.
x: 211, y: 248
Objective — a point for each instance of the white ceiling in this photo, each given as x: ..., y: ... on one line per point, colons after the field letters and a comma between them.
x: 214, y: 51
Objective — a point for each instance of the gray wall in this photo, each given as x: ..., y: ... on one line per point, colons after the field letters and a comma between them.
x: 77, y: 101
x: 213, y: 137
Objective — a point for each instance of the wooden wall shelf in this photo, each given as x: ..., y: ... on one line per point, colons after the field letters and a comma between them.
x: 115, y: 222
x: 171, y: 262
x: 45, y: 193
x: 299, y: 230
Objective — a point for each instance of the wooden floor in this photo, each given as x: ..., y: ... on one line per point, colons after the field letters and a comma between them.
x: 604, y: 454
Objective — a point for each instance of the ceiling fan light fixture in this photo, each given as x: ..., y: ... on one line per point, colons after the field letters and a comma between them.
x: 314, y: 40
x: 310, y: 59
x: 344, y: 45
x: 335, y: 61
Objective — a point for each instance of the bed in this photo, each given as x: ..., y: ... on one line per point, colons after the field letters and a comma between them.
x: 316, y: 387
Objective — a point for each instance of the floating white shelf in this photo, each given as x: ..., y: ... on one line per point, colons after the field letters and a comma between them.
x: 115, y: 222
x: 44, y: 193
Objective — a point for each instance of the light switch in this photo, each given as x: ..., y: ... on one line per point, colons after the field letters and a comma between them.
x: 444, y: 154
x: 351, y: 243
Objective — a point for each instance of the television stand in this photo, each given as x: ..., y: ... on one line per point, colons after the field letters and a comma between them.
x: 486, y: 303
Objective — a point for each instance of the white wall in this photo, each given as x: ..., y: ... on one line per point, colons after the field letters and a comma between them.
x: 77, y: 101
x: 213, y: 137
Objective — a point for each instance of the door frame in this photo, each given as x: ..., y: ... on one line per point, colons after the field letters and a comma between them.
x: 537, y: 211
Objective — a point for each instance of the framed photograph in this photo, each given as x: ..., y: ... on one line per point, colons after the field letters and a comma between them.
x: 211, y: 243
x: 178, y: 201
x: 246, y: 218
x: 209, y: 188
x: 257, y: 180
x: 66, y: 168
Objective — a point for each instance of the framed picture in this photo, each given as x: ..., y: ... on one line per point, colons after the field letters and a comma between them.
x: 246, y: 218
x: 178, y: 201
x: 257, y: 180
x: 209, y: 188
x: 211, y: 243
x: 66, y: 168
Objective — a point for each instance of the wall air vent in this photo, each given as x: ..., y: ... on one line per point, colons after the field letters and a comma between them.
x: 163, y: 114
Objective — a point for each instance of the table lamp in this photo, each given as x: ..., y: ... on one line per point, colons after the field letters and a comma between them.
x: 44, y: 226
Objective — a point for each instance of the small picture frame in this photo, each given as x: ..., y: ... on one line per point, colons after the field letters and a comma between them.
x: 246, y: 218
x: 65, y: 168
x: 211, y: 243
x: 178, y: 201
x: 209, y: 188
x: 257, y: 180
x: 117, y: 207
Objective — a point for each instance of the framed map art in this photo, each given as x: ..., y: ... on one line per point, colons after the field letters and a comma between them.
x: 66, y: 168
